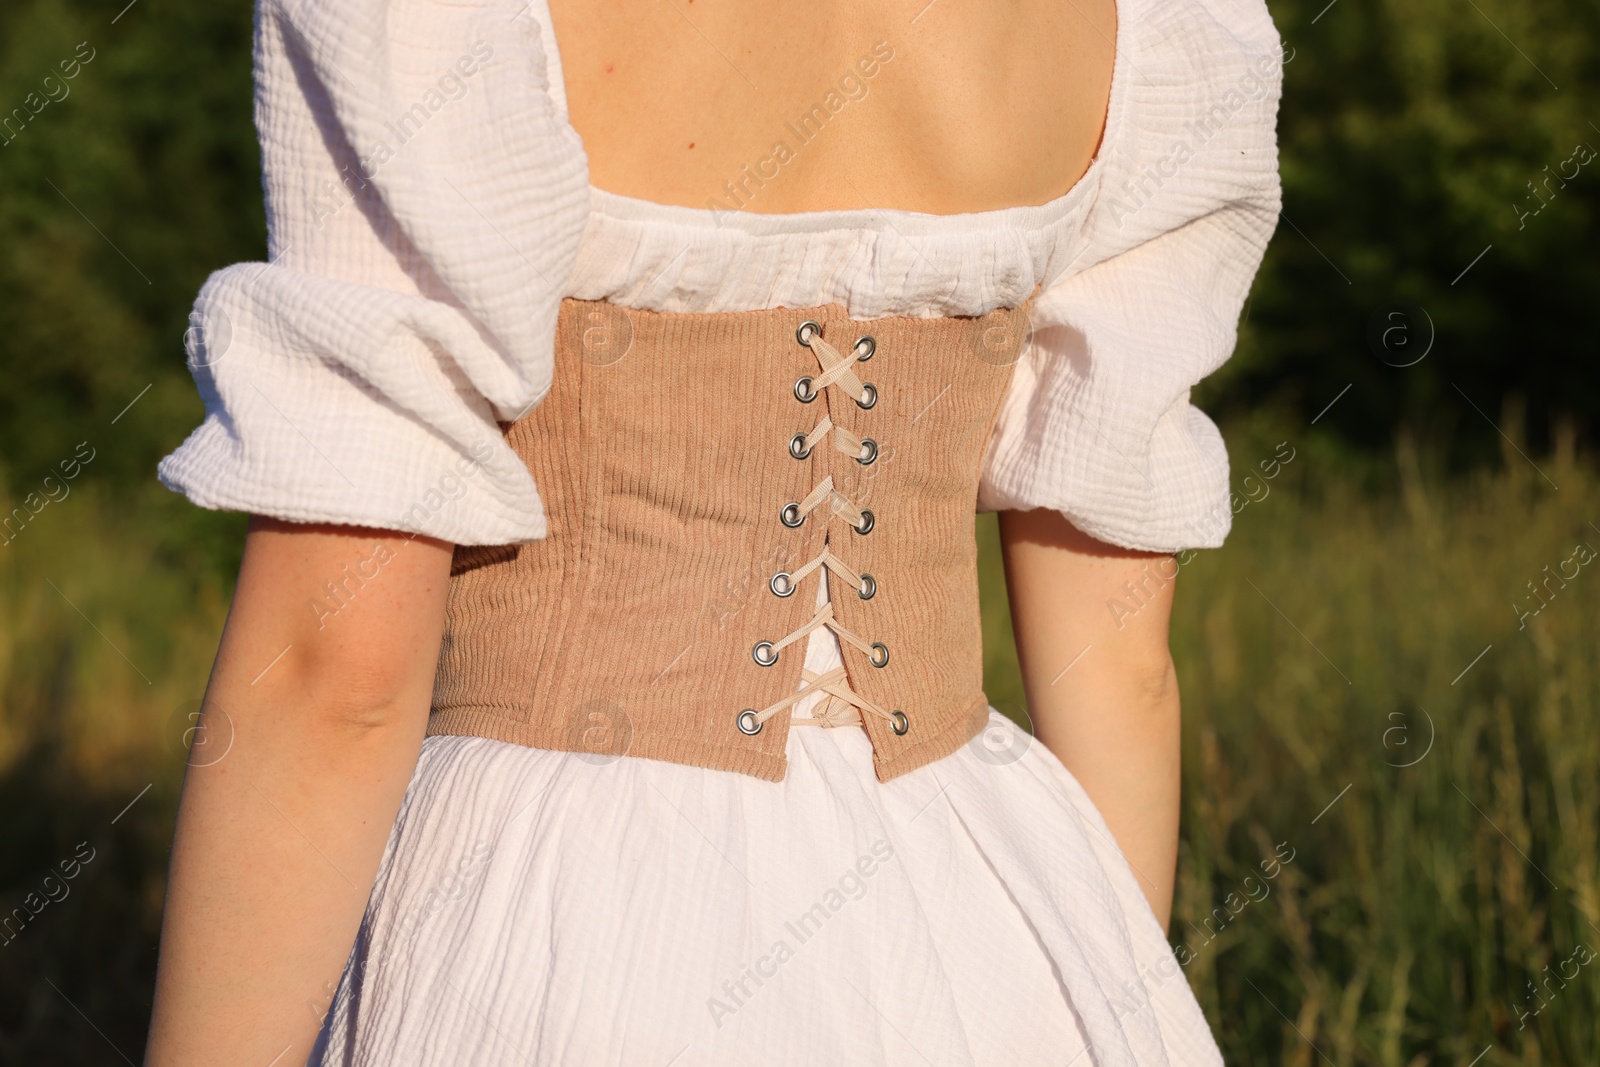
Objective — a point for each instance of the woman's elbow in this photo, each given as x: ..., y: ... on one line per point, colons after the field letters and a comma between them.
x: 1155, y: 683
x: 367, y: 666
x: 361, y: 693
x: 1144, y: 687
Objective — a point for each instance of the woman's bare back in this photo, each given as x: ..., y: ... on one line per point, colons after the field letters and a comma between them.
x: 777, y: 106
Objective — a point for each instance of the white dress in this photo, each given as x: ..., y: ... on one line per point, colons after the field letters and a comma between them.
x: 558, y: 908
x: 554, y: 908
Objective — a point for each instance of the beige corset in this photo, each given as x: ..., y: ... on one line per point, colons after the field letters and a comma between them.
x: 699, y: 472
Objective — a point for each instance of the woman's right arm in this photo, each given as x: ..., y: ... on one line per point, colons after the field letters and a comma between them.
x: 312, y: 724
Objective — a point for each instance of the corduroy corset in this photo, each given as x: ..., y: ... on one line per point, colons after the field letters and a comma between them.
x: 699, y: 473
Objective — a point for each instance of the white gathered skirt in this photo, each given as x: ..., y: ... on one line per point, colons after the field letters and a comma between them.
x: 560, y: 909
x: 535, y: 907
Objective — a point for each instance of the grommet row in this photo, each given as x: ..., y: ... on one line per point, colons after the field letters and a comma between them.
x: 749, y: 725
x: 866, y: 457
x: 766, y: 653
x: 805, y: 391
x: 792, y: 515
x: 782, y: 585
x: 863, y: 349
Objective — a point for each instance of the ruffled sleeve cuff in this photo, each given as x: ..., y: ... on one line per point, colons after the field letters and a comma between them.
x: 328, y: 402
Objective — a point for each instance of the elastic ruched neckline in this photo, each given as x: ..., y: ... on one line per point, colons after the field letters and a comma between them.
x: 664, y: 257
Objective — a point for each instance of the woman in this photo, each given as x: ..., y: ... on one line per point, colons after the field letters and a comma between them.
x: 590, y: 338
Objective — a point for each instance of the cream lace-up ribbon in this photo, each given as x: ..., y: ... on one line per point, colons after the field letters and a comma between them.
x: 858, y: 448
x: 843, y: 706
x: 838, y: 503
x: 862, y: 583
x: 840, y: 709
x: 836, y: 368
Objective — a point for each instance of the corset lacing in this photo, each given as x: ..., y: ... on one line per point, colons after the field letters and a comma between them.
x: 843, y: 706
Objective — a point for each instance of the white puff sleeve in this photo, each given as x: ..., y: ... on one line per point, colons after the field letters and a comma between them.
x: 360, y: 376
x: 1097, y: 424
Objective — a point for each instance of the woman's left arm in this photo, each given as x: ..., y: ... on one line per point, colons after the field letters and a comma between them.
x: 1100, y: 683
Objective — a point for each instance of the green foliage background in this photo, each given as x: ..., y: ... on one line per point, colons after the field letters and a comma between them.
x: 1409, y: 131
x: 1418, y: 907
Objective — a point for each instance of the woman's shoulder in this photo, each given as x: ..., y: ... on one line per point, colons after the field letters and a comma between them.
x: 1191, y: 125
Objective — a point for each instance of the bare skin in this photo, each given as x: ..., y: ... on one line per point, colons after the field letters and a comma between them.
x: 1101, y: 687
x: 980, y: 107
x: 288, y: 802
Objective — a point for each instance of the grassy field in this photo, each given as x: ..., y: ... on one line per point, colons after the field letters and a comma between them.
x: 1391, y: 817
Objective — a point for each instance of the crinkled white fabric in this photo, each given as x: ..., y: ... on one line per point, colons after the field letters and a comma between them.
x: 543, y: 908
x: 414, y: 282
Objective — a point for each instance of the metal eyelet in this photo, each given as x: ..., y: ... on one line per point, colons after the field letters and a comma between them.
x: 798, y: 448
x: 867, y: 522
x: 880, y: 654
x: 899, y: 723
x: 782, y: 584
x: 805, y: 390
x: 865, y: 347
x: 869, y: 397
x: 806, y: 331
x: 790, y: 515
x: 869, y: 448
x: 868, y: 588
x: 764, y: 654
x: 748, y: 723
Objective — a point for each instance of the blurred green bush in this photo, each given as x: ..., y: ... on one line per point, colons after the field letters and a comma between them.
x: 1410, y: 132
